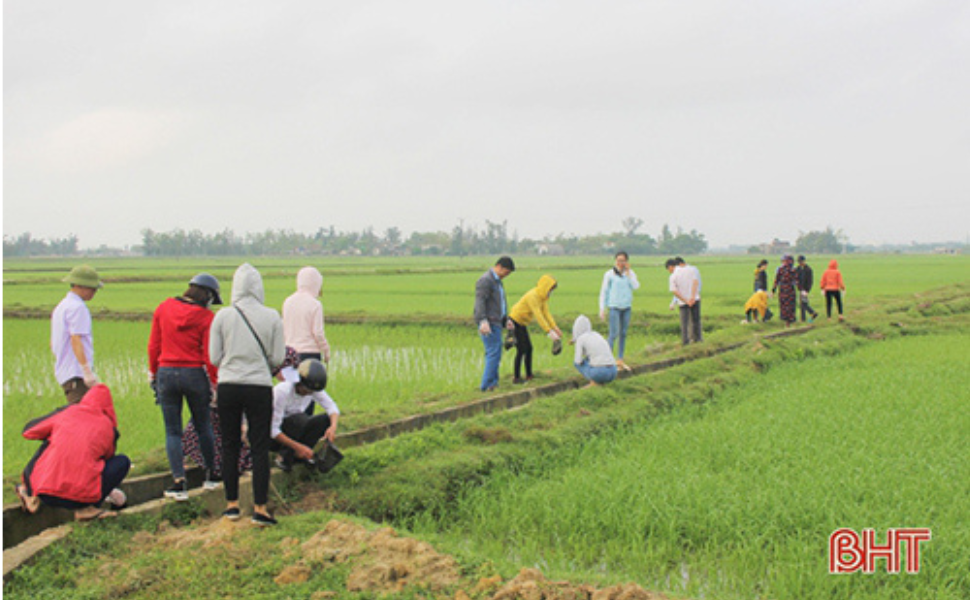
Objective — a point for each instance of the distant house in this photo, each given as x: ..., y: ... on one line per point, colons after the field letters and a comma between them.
x: 550, y: 250
x: 776, y: 247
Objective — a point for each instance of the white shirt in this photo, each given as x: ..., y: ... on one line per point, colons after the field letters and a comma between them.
x: 682, y: 280
x: 287, y: 402
x: 71, y: 317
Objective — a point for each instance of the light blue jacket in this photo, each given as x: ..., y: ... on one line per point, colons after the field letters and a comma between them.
x: 617, y: 290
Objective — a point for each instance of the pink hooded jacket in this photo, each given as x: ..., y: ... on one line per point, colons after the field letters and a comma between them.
x: 303, y: 315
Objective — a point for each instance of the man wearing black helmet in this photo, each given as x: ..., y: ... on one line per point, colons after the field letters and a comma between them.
x: 295, y: 433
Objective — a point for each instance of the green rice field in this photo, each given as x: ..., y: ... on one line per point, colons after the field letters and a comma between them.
x: 739, y: 495
x: 720, y: 478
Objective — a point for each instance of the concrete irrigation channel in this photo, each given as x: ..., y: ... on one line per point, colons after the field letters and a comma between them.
x: 25, y: 535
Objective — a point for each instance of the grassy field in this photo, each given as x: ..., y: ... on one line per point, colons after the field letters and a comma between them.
x: 400, y: 327
x: 720, y: 478
x: 736, y: 498
x: 420, y: 289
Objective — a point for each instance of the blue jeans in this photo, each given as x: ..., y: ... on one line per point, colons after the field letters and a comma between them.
x: 493, y: 356
x: 619, y: 323
x: 596, y: 374
x: 191, y: 383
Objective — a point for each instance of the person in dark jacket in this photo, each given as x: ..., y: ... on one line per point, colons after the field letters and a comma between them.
x: 761, y: 276
x: 806, y: 279
x: 179, y: 368
x: 76, y: 466
x: 491, y: 316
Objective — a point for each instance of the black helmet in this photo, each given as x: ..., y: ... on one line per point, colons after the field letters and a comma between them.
x: 210, y: 283
x: 313, y: 374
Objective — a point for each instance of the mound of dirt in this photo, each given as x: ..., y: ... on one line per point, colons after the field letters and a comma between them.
x: 382, y: 561
x: 530, y: 584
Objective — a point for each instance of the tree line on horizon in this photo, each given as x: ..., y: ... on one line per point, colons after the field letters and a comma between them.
x: 462, y: 240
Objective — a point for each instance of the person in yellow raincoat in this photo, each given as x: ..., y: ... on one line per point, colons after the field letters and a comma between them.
x: 533, y: 306
x: 757, y: 308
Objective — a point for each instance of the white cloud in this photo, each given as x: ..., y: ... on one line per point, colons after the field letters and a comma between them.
x: 104, y: 139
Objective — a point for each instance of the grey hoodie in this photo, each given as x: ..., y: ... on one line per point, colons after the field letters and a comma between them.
x: 232, y: 346
x: 590, y: 344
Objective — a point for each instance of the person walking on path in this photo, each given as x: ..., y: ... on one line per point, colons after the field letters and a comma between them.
x: 295, y: 433
x: 71, y: 336
x: 806, y: 278
x: 491, y: 316
x: 76, y: 466
x: 179, y: 368
x: 616, y: 295
x: 303, y: 317
x: 246, y: 344
x: 685, y: 284
x: 786, y: 287
x: 761, y: 276
x: 593, y: 358
x: 832, y: 286
x: 533, y: 306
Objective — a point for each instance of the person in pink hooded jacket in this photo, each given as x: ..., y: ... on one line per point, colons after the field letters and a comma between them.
x: 76, y: 467
x: 303, y: 317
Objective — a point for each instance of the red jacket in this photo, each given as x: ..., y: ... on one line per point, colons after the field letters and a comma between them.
x: 180, y: 337
x: 80, y: 437
x: 832, y: 278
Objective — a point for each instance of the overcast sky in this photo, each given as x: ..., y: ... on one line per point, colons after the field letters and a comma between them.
x: 743, y: 120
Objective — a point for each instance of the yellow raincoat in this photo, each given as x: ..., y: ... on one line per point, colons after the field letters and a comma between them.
x: 534, y: 305
x: 759, y: 302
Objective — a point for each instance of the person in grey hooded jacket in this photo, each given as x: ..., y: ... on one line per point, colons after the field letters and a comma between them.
x: 246, y: 343
x: 594, y: 358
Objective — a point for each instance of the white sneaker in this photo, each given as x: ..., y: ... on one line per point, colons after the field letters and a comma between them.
x: 178, y: 492
x: 117, y: 498
x: 211, y: 481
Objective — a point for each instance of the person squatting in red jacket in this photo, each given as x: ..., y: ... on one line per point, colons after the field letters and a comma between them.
x: 76, y: 466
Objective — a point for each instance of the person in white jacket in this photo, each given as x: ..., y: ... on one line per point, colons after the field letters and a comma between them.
x: 246, y: 344
x: 303, y: 317
x: 616, y: 296
x: 593, y: 358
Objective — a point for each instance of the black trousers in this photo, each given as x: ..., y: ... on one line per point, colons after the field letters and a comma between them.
x: 304, y: 429
x: 256, y: 403
x: 523, y: 350
x: 829, y: 296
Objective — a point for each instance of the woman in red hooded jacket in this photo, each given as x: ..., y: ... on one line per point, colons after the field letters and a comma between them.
x: 76, y: 467
x: 832, y: 286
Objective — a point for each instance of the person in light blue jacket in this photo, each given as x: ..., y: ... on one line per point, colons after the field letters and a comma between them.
x: 616, y: 295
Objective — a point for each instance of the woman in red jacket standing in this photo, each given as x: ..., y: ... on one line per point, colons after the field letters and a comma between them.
x: 832, y: 286
x: 76, y: 467
x: 178, y: 360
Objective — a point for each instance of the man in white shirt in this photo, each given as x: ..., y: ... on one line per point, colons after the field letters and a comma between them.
x: 293, y: 431
x: 685, y: 284
x: 71, y: 339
